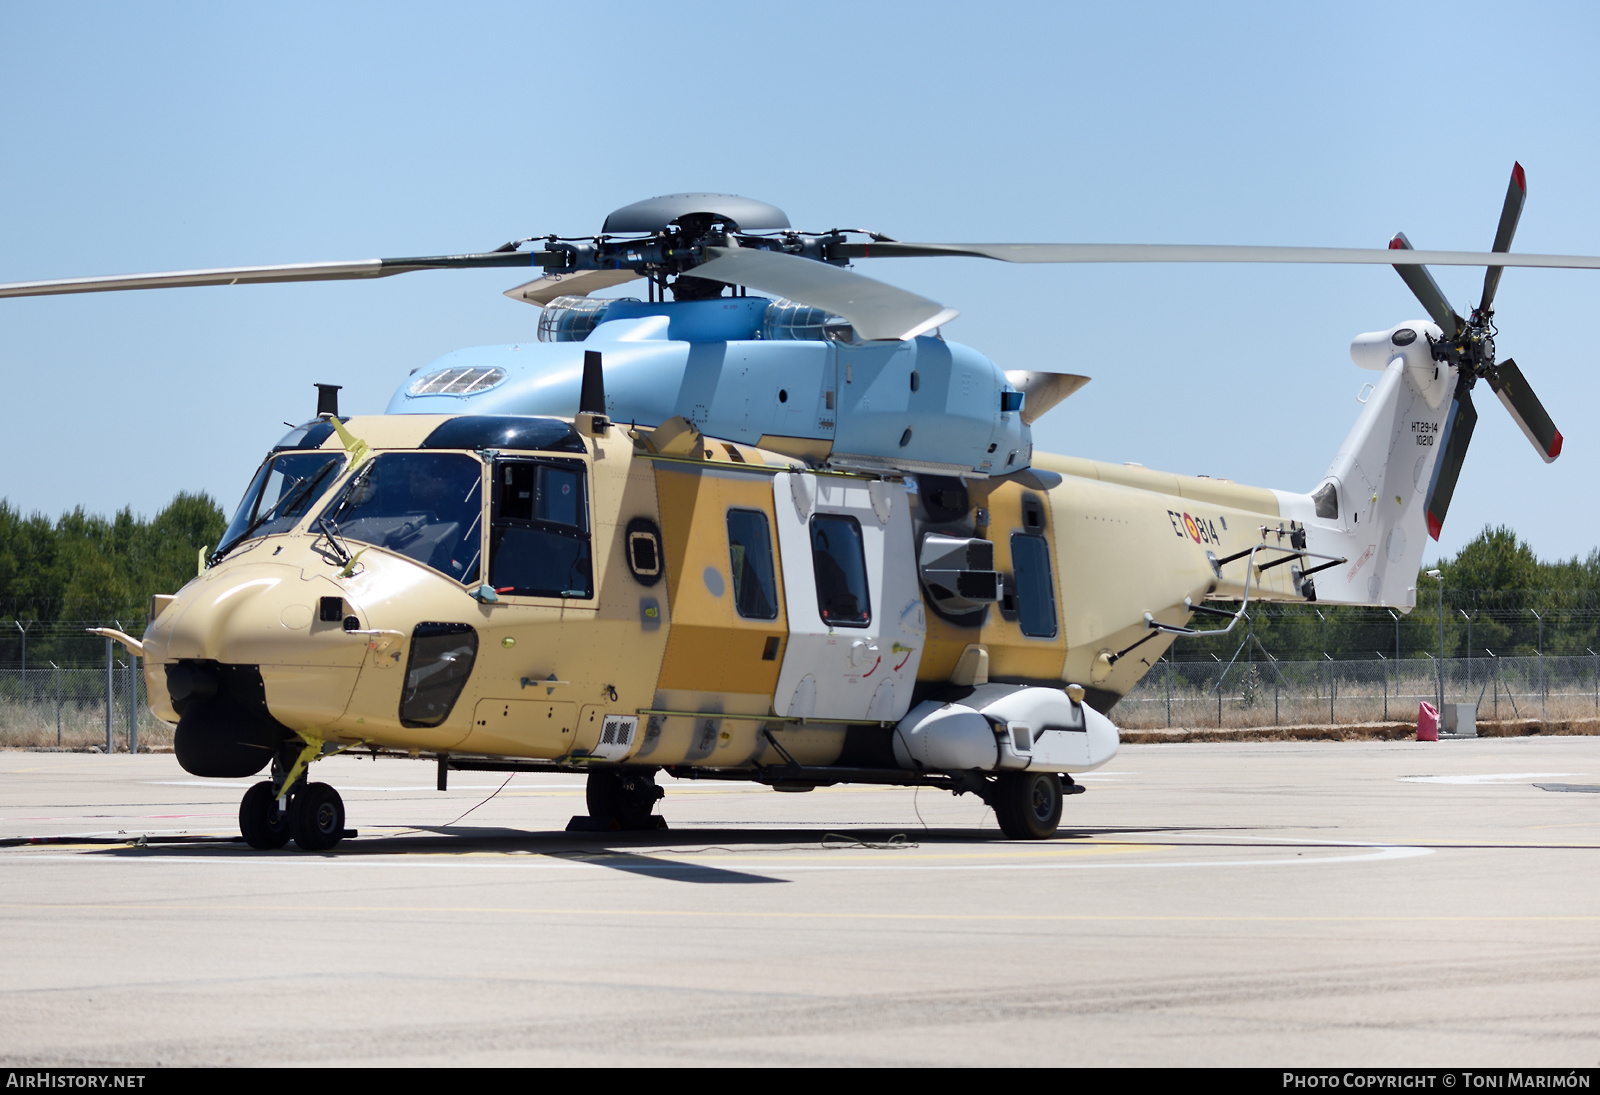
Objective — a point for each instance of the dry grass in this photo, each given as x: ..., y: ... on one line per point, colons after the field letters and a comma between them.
x: 1366, y: 731
x: 81, y: 727
x: 1359, y: 696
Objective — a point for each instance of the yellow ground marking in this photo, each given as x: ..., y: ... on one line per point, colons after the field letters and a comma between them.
x: 793, y: 915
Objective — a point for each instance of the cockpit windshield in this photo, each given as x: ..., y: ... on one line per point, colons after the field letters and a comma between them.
x: 284, y: 489
x: 427, y: 506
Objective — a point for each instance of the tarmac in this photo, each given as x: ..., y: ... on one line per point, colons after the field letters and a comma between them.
x: 1303, y: 903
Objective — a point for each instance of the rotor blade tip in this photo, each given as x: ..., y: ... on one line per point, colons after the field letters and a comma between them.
x: 1555, y: 448
x: 1434, y: 526
x: 1518, y: 177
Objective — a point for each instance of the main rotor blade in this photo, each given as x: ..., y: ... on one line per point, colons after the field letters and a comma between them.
x: 1192, y: 252
x: 256, y: 275
x: 1513, y: 389
x: 580, y: 283
x: 1427, y: 290
x: 1510, y: 213
x: 1458, y: 426
x: 875, y: 310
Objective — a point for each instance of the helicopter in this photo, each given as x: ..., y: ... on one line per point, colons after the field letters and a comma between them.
x: 799, y: 539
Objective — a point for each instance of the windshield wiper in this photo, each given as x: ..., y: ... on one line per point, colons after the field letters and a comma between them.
x: 330, y: 530
x: 301, y: 489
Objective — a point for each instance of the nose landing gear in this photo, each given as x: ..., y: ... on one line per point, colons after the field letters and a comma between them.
x: 264, y: 826
x: 312, y: 814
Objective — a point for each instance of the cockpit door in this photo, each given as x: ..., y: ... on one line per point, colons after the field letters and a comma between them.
x: 856, y: 623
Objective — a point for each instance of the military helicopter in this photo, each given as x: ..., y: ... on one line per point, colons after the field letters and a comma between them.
x: 799, y: 539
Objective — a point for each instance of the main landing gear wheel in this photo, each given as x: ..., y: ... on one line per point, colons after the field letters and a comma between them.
x: 628, y: 798
x: 316, y: 817
x: 1027, y: 804
x: 262, y: 825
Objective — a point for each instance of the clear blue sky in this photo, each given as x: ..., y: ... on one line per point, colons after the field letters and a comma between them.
x: 171, y: 136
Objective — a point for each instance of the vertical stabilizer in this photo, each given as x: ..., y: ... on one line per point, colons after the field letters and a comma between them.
x: 1371, y: 508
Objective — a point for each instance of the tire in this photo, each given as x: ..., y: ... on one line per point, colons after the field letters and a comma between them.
x: 1028, y: 804
x: 263, y: 827
x: 628, y: 798
x: 316, y: 818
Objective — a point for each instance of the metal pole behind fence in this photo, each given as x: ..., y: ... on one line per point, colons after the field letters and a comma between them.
x: 1540, y: 618
x: 111, y: 695
x: 1169, y: 688
x: 1385, y: 668
x: 133, y: 703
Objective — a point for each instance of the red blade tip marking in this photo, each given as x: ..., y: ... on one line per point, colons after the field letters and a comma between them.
x: 1555, y: 447
x: 1519, y: 177
x: 1434, y: 525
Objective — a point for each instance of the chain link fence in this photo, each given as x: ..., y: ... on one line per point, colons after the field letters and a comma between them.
x: 1264, y: 691
x: 80, y: 707
x: 103, y: 704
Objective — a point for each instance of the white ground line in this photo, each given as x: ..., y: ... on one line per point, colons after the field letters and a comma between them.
x: 666, y: 865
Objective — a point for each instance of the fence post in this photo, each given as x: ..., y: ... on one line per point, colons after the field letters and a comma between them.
x: 1385, y: 662
x: 1332, y: 687
x: 1169, y: 688
x: 1540, y: 618
x: 133, y: 703
x: 111, y: 696
x: 1496, y: 671
x: 57, y: 670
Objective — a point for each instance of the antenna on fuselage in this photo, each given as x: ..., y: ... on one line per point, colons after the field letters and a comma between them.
x: 592, y: 396
x: 328, y: 400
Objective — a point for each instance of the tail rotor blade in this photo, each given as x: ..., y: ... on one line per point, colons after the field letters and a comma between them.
x: 1458, y: 429
x: 1427, y: 291
x: 1513, y: 389
x: 1510, y: 213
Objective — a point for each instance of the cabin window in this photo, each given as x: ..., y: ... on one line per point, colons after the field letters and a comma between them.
x: 755, y: 581
x: 539, y: 544
x: 840, y: 560
x: 1036, y: 597
x: 427, y: 506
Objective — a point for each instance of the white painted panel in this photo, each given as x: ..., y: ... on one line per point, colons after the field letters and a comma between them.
x: 850, y: 665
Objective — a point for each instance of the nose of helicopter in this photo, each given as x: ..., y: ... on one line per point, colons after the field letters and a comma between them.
x: 280, y: 620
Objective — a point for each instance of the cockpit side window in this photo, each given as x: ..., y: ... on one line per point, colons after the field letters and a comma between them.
x: 427, y: 506
x: 539, y: 540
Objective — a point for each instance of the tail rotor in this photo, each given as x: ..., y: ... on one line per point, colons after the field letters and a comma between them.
x: 1468, y: 344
